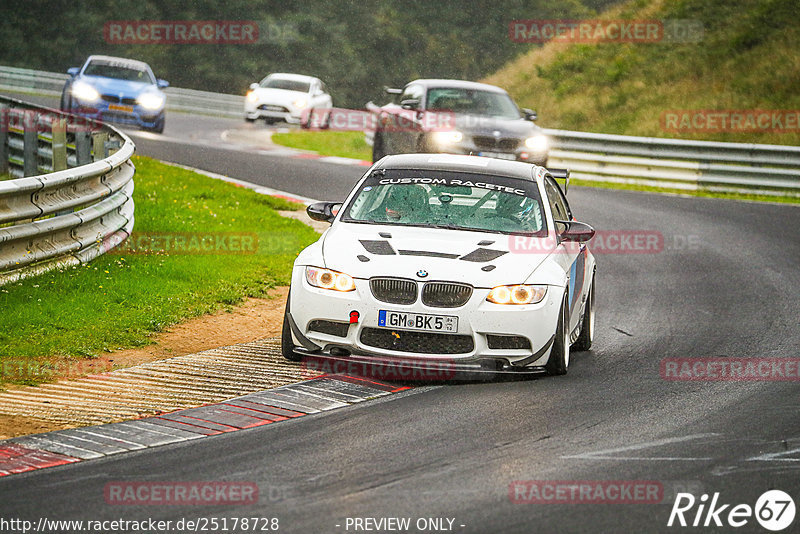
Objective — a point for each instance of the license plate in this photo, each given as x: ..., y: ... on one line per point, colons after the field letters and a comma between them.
x: 498, y: 155
x: 117, y: 107
x: 417, y: 321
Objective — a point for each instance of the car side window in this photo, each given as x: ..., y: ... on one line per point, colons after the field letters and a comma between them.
x: 558, y: 204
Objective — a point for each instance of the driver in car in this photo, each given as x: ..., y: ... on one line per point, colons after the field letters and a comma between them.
x: 408, y: 203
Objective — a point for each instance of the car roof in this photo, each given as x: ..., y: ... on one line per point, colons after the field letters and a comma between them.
x: 456, y: 84
x: 460, y: 163
x: 134, y: 63
x: 290, y: 76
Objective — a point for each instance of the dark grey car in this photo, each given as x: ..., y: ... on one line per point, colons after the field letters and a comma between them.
x: 457, y: 117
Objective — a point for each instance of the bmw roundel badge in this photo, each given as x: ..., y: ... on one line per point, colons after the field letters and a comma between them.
x: 422, y: 273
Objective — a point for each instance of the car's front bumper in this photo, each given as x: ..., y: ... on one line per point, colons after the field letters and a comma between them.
x: 134, y: 116
x: 264, y: 110
x: 470, y: 346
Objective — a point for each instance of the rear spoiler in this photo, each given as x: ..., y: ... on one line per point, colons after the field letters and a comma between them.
x: 392, y: 90
x: 560, y: 174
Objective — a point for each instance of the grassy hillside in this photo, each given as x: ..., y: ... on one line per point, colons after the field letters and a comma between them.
x: 749, y: 58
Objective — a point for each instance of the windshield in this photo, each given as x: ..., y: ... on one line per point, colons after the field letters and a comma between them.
x: 283, y: 83
x: 438, y: 199
x: 117, y: 71
x: 473, y: 102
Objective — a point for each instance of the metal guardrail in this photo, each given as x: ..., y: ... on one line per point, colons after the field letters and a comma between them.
x: 185, y: 100
x: 80, y: 208
x: 677, y: 162
x: 674, y: 163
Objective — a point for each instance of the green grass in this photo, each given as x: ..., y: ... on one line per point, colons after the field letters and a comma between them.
x: 746, y: 60
x: 327, y: 143
x: 121, y: 298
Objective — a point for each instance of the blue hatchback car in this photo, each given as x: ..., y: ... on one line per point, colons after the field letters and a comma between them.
x: 119, y: 90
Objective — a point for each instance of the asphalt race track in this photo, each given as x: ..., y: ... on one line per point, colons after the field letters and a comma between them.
x: 724, y: 283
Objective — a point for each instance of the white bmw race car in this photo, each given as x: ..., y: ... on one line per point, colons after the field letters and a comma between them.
x: 470, y: 261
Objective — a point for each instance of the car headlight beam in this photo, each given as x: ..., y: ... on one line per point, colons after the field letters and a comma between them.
x: 251, y: 96
x: 150, y: 101
x: 328, y: 279
x: 300, y: 103
x: 517, y: 294
x: 448, y: 137
x: 537, y: 143
x: 85, y: 92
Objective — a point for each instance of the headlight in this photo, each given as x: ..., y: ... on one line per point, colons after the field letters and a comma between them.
x: 520, y: 294
x: 448, y: 137
x: 150, y: 101
x: 537, y: 143
x: 327, y: 279
x: 84, y: 91
x: 251, y: 96
x: 300, y: 103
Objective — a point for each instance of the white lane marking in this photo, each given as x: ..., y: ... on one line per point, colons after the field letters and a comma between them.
x: 340, y: 161
x: 606, y: 454
x: 776, y: 456
x: 249, y: 185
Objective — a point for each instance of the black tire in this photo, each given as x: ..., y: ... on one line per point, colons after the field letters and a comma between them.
x: 558, y: 361
x: 586, y: 337
x: 66, y: 102
x: 377, y: 147
x: 309, y: 120
x: 287, y: 343
x: 159, y: 127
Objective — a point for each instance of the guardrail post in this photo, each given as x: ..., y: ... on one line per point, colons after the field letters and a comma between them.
x: 99, y: 145
x: 83, y: 148
x: 59, y: 131
x: 30, y: 147
x: 5, y: 123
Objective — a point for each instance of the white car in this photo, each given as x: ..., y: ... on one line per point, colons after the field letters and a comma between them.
x: 468, y: 260
x: 291, y: 98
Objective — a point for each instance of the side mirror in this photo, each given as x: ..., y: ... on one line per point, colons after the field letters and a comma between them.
x: 576, y: 232
x: 411, y: 103
x: 162, y: 84
x: 530, y: 115
x: 254, y: 86
x: 73, y: 71
x: 324, y: 211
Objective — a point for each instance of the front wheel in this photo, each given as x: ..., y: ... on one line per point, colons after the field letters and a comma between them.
x: 159, y: 127
x: 559, y: 355
x: 66, y: 102
x: 586, y: 337
x: 287, y: 343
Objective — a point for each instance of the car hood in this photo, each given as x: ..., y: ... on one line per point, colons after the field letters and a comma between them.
x: 477, y: 258
x: 278, y: 96
x: 488, y: 125
x: 113, y: 86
